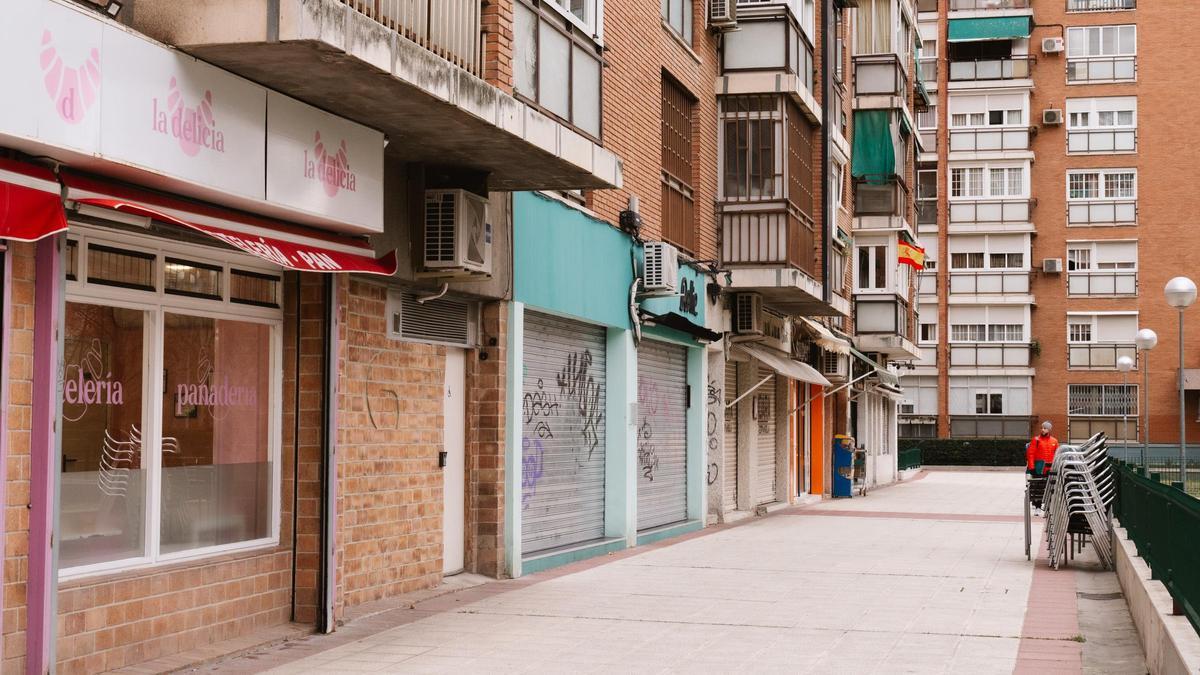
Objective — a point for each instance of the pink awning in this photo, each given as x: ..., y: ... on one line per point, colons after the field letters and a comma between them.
x: 277, y: 242
x: 30, y: 202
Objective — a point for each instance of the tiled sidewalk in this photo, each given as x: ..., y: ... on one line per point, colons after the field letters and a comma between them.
x: 924, y: 577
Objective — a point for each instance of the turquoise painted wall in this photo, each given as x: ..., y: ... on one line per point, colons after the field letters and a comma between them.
x: 569, y: 263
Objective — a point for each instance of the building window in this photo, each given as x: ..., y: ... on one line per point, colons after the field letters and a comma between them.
x: 877, y: 26
x: 678, y: 220
x: 176, y: 369
x: 751, y: 129
x: 928, y: 332
x: 989, y: 403
x: 872, y: 268
x: 1101, y: 53
x: 1102, y: 197
x: 1102, y: 399
x: 967, y: 261
x: 979, y: 332
x: 1014, y: 261
x: 678, y: 15
x: 1102, y: 125
x: 1007, y: 181
x: 1100, y: 5
x: 556, y: 63
x: 966, y: 182
x: 1079, y: 331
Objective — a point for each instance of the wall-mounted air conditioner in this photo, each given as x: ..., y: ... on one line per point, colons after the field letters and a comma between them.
x: 1052, y: 116
x: 908, y: 408
x: 458, y: 238
x: 722, y: 13
x: 747, y: 314
x: 1053, y: 45
x: 660, y: 268
x: 1052, y: 265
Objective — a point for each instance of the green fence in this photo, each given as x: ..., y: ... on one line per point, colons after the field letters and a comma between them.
x: 1164, y: 522
x: 910, y: 458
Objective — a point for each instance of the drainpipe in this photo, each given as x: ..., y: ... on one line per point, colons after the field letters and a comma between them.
x: 827, y: 53
x: 327, y: 578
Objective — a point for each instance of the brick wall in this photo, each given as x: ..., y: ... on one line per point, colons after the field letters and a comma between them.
x: 485, y: 444
x: 640, y: 48
x: 114, y: 620
x: 389, y: 436
x: 497, y: 22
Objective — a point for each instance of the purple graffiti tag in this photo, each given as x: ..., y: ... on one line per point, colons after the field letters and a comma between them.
x: 532, y: 467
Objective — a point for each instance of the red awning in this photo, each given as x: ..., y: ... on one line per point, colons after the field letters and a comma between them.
x: 276, y: 242
x: 30, y: 202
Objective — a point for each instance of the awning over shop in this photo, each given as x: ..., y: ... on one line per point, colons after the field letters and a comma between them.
x: 885, y: 376
x: 891, y: 391
x: 782, y: 364
x: 30, y: 202
x: 874, y: 152
x: 990, y: 28
x: 824, y: 338
x: 276, y: 242
x: 683, y: 324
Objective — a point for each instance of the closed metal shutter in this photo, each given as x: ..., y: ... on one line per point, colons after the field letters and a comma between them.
x: 562, y: 433
x: 729, y: 457
x: 661, y: 434
x: 764, y: 420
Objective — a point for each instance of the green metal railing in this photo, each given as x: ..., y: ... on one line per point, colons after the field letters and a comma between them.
x: 1164, y: 522
x: 910, y: 458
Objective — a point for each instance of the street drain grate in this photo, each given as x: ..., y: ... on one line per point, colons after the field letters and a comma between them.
x: 1100, y: 596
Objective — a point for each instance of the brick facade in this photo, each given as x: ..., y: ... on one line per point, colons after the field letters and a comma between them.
x: 485, y: 444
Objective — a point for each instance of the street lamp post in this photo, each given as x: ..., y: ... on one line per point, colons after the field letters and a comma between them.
x: 1181, y: 293
x: 1146, y: 340
x: 1125, y: 364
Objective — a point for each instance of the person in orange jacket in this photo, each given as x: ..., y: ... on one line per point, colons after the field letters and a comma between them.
x: 1039, y: 454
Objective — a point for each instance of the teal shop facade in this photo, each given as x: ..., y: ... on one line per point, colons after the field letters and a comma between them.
x: 604, y: 445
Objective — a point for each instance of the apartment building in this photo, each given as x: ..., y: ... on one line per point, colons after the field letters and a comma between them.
x: 308, y: 305
x: 1051, y: 228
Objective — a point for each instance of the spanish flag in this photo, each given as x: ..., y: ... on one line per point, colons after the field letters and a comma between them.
x: 911, y: 254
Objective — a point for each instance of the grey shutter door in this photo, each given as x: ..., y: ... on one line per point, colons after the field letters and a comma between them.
x: 764, y: 419
x: 562, y: 433
x: 661, y: 434
x: 729, y: 456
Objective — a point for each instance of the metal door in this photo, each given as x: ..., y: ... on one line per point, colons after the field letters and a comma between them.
x: 454, y: 466
x: 661, y: 434
x: 562, y: 433
x: 729, y: 456
x: 764, y: 420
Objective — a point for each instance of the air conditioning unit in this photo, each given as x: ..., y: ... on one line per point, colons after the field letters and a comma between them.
x: 722, y: 13
x: 833, y: 365
x: 458, y: 238
x: 1052, y: 265
x: 908, y: 408
x: 660, y: 268
x: 1052, y: 116
x: 747, y: 314
x: 1053, y: 45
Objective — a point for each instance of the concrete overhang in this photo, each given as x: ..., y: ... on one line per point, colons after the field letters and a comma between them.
x: 328, y: 55
x: 766, y: 82
x: 895, y: 347
x: 784, y: 289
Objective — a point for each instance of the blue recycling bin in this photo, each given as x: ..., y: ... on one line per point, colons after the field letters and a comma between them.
x: 843, y: 466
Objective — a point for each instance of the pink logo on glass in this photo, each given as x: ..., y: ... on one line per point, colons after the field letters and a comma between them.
x: 330, y: 169
x: 73, y: 89
x: 194, y: 126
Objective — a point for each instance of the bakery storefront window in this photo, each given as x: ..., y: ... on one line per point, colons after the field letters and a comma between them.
x: 171, y: 407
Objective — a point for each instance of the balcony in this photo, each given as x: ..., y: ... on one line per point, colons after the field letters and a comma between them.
x: 974, y: 70
x: 408, y: 68
x: 1101, y: 69
x: 880, y: 82
x: 1014, y: 282
x: 1099, y: 356
x: 882, y: 324
x: 1100, y: 5
x: 990, y: 140
x: 991, y: 5
x: 773, y: 249
x: 928, y: 67
x: 927, y: 357
x: 990, y: 212
x: 880, y: 204
x: 927, y: 283
x: 991, y: 426
x: 926, y: 212
x: 1101, y: 141
x: 1102, y: 283
x: 769, y: 54
x: 989, y: 355
x: 1104, y: 212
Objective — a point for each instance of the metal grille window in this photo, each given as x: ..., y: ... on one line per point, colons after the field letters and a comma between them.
x: 678, y: 208
x: 1108, y: 400
x: 752, y: 166
x: 1079, y: 332
x: 800, y: 161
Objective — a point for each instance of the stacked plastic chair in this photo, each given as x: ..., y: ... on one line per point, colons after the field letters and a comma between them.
x: 1079, y: 494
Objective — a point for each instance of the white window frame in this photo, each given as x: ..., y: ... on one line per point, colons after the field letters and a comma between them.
x: 875, y: 247
x: 687, y: 30
x: 1093, y: 248
x: 987, y: 254
x: 989, y: 395
x: 1123, y: 52
x: 592, y: 24
x: 156, y: 304
x: 1083, y: 116
x: 932, y: 336
x: 1103, y: 177
x: 1074, y: 324
x: 986, y: 178
x: 1092, y: 321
